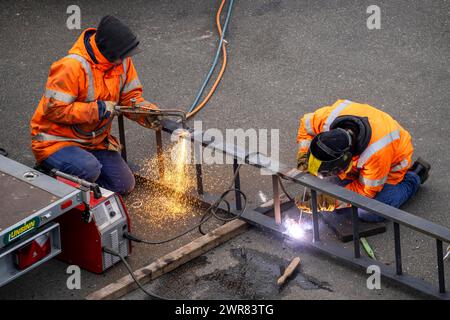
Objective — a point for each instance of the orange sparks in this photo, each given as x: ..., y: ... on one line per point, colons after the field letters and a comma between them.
x: 168, y: 203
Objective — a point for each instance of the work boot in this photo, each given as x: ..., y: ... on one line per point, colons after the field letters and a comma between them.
x: 421, y: 168
x: 43, y: 168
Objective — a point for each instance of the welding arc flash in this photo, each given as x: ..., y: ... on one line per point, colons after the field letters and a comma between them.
x: 294, y: 229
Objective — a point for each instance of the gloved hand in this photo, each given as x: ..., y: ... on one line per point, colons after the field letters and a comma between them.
x: 150, y: 122
x: 147, y: 121
x: 110, y: 106
x: 324, y: 202
x: 302, y: 161
x: 106, y: 109
x: 151, y: 106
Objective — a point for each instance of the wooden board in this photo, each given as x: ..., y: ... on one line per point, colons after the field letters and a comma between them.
x: 171, y: 261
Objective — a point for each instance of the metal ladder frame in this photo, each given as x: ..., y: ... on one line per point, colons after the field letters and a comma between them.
x: 398, y: 217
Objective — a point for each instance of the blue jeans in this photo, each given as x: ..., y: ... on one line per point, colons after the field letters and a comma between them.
x: 106, y: 168
x: 393, y: 195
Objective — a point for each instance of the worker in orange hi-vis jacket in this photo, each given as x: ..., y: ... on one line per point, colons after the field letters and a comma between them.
x: 363, y: 149
x: 71, y: 127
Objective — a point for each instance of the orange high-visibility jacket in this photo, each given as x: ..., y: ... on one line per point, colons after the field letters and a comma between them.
x: 75, y: 83
x: 387, y: 157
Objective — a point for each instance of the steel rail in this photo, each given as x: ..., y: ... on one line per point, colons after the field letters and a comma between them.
x: 307, y: 180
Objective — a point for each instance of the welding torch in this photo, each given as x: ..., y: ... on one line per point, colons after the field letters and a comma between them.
x: 136, y: 110
x: 144, y: 110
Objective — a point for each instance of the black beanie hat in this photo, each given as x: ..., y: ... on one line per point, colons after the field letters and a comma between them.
x: 338, y: 140
x: 114, y: 39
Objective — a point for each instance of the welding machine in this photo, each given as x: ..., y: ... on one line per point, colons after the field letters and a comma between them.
x: 86, y: 229
x: 42, y: 217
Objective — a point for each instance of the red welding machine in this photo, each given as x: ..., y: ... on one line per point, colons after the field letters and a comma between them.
x: 86, y: 229
x: 46, y: 213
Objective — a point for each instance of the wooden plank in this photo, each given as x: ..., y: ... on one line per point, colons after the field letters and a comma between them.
x: 171, y: 260
x: 289, y: 270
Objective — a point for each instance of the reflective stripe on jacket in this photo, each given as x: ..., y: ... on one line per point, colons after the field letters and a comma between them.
x: 75, y: 83
x: 386, y: 159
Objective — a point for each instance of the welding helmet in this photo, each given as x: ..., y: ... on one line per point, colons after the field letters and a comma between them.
x: 329, y: 153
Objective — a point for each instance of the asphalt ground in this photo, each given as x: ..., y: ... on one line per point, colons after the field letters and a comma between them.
x: 286, y: 58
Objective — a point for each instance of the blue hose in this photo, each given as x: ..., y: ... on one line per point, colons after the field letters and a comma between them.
x: 216, y: 58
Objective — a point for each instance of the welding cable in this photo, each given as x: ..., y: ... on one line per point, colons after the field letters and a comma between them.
x: 213, y: 212
x: 283, y: 188
x: 195, y: 107
x: 221, y: 46
x: 130, y: 271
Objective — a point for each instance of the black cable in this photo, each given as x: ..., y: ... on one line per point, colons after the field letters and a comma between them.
x: 214, y: 213
x: 117, y: 254
x: 284, y: 190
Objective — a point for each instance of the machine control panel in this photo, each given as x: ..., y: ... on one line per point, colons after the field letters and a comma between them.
x: 107, y: 213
